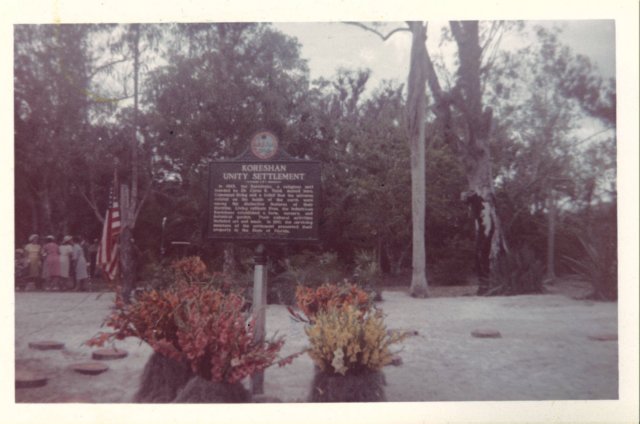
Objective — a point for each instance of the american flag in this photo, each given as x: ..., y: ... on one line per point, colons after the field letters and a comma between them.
x: 108, y: 256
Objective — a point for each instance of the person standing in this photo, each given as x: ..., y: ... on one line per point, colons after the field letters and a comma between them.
x: 51, y: 269
x: 79, y: 262
x: 65, y: 259
x: 33, y: 253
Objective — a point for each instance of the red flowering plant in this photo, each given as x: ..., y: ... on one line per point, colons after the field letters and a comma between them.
x: 312, y: 301
x: 190, y: 268
x: 196, y: 324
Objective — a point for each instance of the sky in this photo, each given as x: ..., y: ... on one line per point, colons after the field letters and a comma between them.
x: 330, y: 45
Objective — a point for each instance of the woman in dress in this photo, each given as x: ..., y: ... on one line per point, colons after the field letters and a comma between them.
x: 51, y: 269
x: 79, y: 263
x: 65, y: 259
x: 33, y: 252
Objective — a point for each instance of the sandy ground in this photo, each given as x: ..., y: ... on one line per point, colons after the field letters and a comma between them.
x: 545, y: 351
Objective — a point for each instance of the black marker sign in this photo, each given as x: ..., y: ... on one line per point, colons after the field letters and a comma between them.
x: 264, y: 195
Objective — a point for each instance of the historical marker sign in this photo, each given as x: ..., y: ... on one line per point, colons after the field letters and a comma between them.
x: 264, y: 195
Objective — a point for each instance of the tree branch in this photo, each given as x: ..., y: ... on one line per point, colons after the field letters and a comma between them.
x: 375, y: 31
x: 443, y: 102
x: 456, y: 30
x: 93, y: 206
x: 106, y: 65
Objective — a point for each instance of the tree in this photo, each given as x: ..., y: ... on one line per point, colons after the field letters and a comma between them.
x: 222, y: 82
x: 50, y: 114
x: 536, y: 137
x: 471, y: 137
x: 132, y: 41
x: 416, y: 108
x: 378, y: 182
x: 416, y: 115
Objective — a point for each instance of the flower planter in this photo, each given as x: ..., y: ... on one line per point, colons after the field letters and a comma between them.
x: 363, y: 386
x: 162, y: 379
x: 199, y: 390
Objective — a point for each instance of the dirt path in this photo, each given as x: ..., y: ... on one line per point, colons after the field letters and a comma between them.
x: 545, y: 351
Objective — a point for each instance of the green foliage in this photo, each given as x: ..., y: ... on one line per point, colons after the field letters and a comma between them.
x: 597, y: 262
x: 451, y: 263
x: 598, y: 266
x: 218, y: 82
x: 367, y: 272
x: 311, y: 268
x: 519, y: 272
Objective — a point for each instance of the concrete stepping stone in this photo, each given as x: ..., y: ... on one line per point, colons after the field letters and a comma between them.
x: 109, y: 354
x: 90, y: 368
x: 26, y: 379
x: 486, y: 333
x: 405, y: 332
x: 46, y: 345
x: 604, y: 337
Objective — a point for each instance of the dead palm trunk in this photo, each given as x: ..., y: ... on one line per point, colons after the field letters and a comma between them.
x: 416, y: 111
x: 416, y: 105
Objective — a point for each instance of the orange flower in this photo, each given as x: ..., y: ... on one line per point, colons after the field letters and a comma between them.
x: 312, y: 301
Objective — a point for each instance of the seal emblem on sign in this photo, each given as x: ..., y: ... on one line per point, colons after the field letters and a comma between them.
x: 264, y: 145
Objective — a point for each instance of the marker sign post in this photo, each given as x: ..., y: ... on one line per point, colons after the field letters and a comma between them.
x: 263, y: 195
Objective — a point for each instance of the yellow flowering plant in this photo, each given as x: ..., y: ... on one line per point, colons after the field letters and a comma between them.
x: 346, y: 340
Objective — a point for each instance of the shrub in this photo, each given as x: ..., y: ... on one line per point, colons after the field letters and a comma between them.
x: 311, y: 269
x: 348, y: 340
x: 190, y: 268
x: 196, y: 324
x: 311, y: 301
x: 598, y: 266
x: 451, y: 264
x: 367, y: 272
x: 518, y: 272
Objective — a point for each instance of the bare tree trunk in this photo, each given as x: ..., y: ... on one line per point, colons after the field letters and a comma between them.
x: 126, y: 244
x: 490, y: 243
x: 129, y: 197
x: 473, y: 146
x: 127, y: 262
x: 416, y: 106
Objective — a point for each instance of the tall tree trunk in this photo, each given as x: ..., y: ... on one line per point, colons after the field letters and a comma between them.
x: 416, y: 106
x: 490, y: 243
x: 129, y: 196
x: 473, y: 146
x: 127, y: 262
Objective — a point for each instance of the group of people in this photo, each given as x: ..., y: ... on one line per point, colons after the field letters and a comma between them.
x: 57, y: 265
